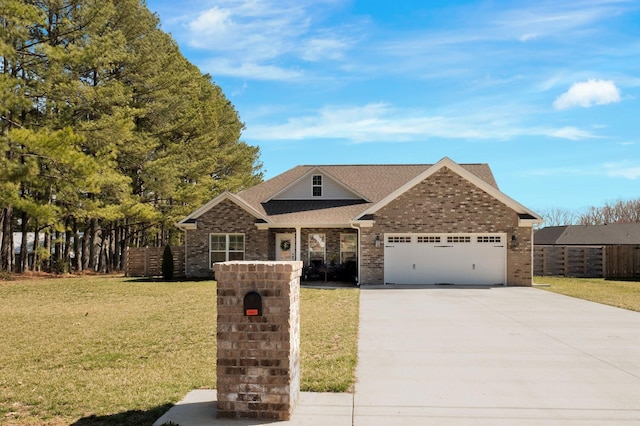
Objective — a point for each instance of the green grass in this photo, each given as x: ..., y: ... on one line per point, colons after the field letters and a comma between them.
x: 623, y: 294
x: 107, y: 350
x: 329, y: 339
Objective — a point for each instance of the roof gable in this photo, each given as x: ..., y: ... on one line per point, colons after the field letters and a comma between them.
x: 357, y: 191
x: 465, y: 174
x: 330, y: 187
x: 190, y: 221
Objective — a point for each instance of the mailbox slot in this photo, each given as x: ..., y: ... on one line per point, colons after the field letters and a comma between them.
x: 252, y: 304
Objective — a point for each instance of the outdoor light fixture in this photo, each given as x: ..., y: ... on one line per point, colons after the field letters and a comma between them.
x: 377, y: 241
x: 514, y: 241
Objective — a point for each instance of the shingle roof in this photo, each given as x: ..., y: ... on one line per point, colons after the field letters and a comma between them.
x: 612, y: 234
x: 373, y: 182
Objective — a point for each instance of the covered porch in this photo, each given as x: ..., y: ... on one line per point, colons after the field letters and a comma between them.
x: 328, y: 254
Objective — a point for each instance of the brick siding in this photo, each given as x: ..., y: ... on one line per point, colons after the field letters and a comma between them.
x: 258, y: 361
x: 442, y: 203
x: 224, y: 218
x: 447, y: 203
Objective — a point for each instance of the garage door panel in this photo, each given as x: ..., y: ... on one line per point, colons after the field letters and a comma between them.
x: 469, y: 259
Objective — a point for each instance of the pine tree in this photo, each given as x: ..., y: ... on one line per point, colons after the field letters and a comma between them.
x: 108, y: 134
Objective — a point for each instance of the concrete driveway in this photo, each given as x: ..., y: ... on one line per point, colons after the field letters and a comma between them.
x: 494, y: 356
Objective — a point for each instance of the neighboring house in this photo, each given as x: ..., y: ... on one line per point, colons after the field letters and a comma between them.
x: 611, y: 251
x: 445, y: 223
x: 614, y: 234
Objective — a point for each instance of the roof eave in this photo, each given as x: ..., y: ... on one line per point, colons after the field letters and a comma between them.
x: 363, y: 223
x: 220, y: 198
x: 265, y: 226
x: 186, y: 226
x: 465, y: 174
x: 529, y: 223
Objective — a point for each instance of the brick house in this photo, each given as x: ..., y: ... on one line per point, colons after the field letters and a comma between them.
x: 445, y: 223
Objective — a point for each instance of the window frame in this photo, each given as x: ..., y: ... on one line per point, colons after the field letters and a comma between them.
x: 352, y: 249
x: 316, y: 185
x: 315, y: 254
x: 230, y: 246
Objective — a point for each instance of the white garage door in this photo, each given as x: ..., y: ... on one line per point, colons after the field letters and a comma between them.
x: 466, y: 259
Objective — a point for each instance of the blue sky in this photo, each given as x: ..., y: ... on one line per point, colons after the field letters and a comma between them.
x: 546, y: 92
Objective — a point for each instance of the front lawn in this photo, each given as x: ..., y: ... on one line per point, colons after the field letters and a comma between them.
x: 623, y: 294
x: 105, y: 350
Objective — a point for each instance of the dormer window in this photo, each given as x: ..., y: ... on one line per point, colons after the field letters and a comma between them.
x: 317, y: 185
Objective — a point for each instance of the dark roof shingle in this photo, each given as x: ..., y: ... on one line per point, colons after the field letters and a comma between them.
x: 611, y: 234
x: 373, y: 182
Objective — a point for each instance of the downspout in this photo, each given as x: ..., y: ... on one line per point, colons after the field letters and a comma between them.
x: 357, y: 228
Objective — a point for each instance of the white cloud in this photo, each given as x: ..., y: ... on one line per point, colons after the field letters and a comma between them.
x: 317, y: 49
x: 251, y: 70
x: 623, y: 170
x: 572, y: 133
x: 588, y: 93
x: 211, y: 22
x: 252, y: 29
x: 246, y: 35
x: 380, y: 122
x: 528, y: 36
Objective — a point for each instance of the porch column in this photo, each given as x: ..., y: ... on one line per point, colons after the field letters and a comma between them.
x: 298, y: 243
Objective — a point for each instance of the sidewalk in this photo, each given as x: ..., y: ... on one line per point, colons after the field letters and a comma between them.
x: 475, y: 356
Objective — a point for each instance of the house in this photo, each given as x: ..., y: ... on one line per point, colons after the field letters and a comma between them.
x: 610, y: 251
x: 444, y: 223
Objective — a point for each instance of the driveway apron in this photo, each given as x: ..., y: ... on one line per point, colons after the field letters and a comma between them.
x: 494, y: 356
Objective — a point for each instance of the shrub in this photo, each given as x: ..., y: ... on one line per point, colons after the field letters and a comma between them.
x: 167, y: 263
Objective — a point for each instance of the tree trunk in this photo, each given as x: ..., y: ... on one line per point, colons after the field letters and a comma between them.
x: 115, y: 258
x: 24, y: 244
x: 103, y: 255
x: 77, y: 247
x: 46, y: 263
x: 58, y: 262
x: 6, y: 251
x: 91, y: 237
x: 67, y: 244
x: 35, y: 266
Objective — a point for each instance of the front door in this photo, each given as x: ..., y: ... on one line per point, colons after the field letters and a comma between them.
x: 286, y: 247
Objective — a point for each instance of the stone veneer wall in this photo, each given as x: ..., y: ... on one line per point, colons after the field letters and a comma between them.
x: 225, y: 218
x: 447, y: 203
x: 258, y: 365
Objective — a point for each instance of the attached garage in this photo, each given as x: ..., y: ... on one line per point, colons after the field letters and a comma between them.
x: 464, y: 259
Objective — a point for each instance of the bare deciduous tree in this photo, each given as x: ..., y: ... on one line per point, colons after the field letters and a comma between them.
x: 558, y: 216
x: 619, y: 212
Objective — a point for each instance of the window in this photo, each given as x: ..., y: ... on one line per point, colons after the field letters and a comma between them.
x: 428, y: 239
x: 348, y: 247
x: 458, y: 239
x: 489, y: 239
x: 317, y: 246
x: 317, y: 185
x: 398, y: 239
x: 225, y: 247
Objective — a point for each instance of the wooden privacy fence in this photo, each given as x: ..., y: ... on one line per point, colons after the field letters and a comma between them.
x: 587, y: 261
x: 147, y: 261
x: 623, y: 262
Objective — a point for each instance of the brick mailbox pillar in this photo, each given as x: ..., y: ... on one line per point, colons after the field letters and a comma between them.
x: 258, y: 367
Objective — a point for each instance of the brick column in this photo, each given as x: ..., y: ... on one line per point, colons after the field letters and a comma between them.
x: 258, y: 367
